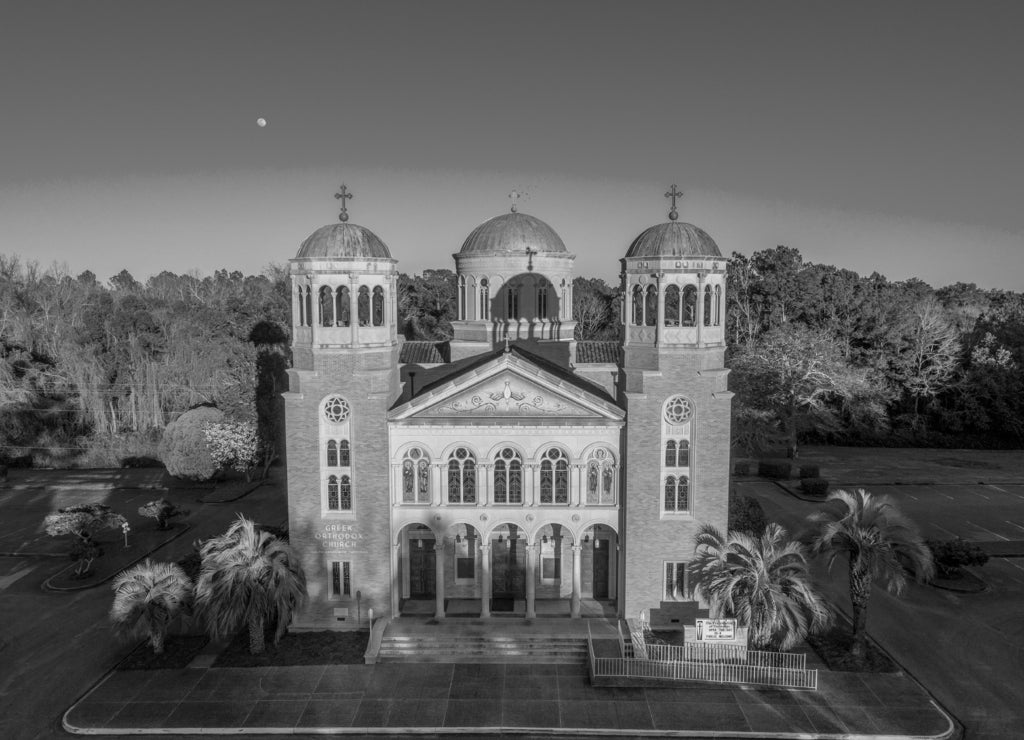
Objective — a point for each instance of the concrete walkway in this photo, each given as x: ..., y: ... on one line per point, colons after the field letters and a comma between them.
x: 483, y: 699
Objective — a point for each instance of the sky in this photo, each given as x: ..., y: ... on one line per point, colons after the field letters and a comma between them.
x: 874, y: 136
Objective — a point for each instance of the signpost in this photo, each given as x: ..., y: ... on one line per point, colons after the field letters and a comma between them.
x: 716, y: 630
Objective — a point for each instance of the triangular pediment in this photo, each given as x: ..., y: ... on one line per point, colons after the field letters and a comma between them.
x: 508, y: 388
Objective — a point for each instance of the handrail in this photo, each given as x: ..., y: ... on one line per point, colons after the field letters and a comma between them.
x: 707, y: 672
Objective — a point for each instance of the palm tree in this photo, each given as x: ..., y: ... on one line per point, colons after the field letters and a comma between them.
x: 249, y: 576
x: 877, y: 539
x: 147, y: 598
x: 761, y: 581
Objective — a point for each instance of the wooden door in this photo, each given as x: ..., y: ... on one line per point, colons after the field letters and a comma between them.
x: 422, y: 583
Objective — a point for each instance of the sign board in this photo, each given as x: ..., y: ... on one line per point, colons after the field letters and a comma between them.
x: 716, y: 630
x: 341, y: 613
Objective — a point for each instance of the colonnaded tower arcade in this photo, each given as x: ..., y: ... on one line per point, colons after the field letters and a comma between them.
x: 513, y: 470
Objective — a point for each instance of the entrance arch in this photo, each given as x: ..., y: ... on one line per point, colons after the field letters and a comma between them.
x: 598, y: 571
x: 419, y: 552
x: 508, y: 556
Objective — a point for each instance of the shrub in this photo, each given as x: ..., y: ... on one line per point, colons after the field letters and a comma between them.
x: 746, y: 515
x: 233, y: 444
x: 951, y: 556
x: 183, y: 449
x: 742, y: 468
x: 162, y: 510
x: 775, y: 469
x: 814, y: 486
x: 810, y: 471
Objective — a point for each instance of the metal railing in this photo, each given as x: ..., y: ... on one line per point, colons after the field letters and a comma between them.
x: 674, y: 670
x: 732, y: 654
x: 637, y: 637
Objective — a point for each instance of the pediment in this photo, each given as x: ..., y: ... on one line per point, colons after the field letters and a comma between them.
x: 509, y: 390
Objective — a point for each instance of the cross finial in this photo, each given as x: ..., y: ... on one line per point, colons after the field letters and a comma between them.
x: 343, y: 195
x: 674, y: 193
x: 515, y: 195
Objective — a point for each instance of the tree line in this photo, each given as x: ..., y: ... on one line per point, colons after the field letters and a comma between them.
x: 91, y: 372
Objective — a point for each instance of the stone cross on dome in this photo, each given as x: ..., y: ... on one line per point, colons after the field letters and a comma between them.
x: 674, y: 193
x: 343, y: 195
x: 515, y: 195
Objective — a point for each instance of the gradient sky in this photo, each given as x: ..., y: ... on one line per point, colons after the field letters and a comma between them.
x: 881, y: 136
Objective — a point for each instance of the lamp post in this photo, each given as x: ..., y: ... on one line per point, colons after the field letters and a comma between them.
x: 125, y: 529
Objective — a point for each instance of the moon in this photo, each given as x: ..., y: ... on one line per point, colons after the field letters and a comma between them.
x: 261, y: 122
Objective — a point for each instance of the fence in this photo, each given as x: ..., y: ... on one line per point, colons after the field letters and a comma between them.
x: 674, y: 664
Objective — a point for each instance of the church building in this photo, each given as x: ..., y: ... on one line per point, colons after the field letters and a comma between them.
x: 513, y: 471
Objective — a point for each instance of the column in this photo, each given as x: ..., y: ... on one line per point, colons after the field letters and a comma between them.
x: 627, y: 309
x: 437, y: 471
x: 531, y: 580
x: 576, y: 481
x: 699, y: 308
x: 353, y: 308
x: 315, y: 318
x: 660, y: 326
x: 574, y: 609
x: 483, y: 483
x: 439, y: 578
x: 396, y: 583
x: 485, y: 580
x: 532, y: 484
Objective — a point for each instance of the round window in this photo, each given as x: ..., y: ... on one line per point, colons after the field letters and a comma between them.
x: 336, y: 409
x: 678, y: 410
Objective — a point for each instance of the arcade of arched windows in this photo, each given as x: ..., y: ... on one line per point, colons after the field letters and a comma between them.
x: 334, y: 306
x: 505, y: 479
x: 540, y: 299
x: 680, y: 305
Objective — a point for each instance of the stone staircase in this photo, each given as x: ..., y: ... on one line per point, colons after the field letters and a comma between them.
x: 452, y: 648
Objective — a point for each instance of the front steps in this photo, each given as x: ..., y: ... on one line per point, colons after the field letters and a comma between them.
x: 508, y: 648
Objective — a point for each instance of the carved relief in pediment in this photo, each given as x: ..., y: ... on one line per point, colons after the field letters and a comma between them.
x: 507, y: 396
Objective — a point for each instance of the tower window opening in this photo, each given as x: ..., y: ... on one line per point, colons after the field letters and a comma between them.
x: 343, y: 310
x: 638, y: 305
x: 689, y: 307
x: 673, y: 312
x: 326, y: 302
x: 378, y: 306
x: 462, y: 298
x: 707, y: 305
x: 718, y: 305
x: 363, y: 306
x: 651, y: 306
x: 309, y: 306
x: 485, y: 299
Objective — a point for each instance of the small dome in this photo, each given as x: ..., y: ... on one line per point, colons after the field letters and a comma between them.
x: 512, y: 233
x: 342, y: 240
x: 674, y: 239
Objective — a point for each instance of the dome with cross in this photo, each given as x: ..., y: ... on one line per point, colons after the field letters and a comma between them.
x: 674, y: 239
x: 512, y: 233
x: 343, y: 241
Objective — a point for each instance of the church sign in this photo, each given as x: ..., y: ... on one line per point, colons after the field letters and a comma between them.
x: 339, y: 537
x: 716, y: 630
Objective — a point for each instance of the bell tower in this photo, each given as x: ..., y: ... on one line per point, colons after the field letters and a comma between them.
x: 344, y: 379
x: 673, y: 386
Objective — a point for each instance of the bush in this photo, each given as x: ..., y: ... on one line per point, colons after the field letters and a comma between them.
x: 741, y: 468
x: 775, y: 469
x: 814, y: 486
x: 746, y: 515
x: 810, y: 471
x: 162, y: 510
x: 183, y: 449
x: 951, y: 556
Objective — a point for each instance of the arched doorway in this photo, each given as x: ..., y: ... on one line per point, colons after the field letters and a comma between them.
x: 417, y: 566
x: 508, y: 569
x: 599, y: 564
x: 554, y: 570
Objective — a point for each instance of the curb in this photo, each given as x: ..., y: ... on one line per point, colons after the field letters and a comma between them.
x: 83, y: 587
x: 245, y: 492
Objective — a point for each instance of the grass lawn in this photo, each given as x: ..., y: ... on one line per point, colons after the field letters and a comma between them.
x: 297, y: 648
x: 179, y: 650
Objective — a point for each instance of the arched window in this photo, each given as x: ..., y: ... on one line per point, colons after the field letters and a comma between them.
x: 363, y: 306
x: 508, y: 477
x: 677, y: 494
x: 378, y: 306
x: 485, y: 299
x: 415, y: 477
x: 689, y: 306
x: 707, y: 305
x: 333, y: 495
x: 343, y: 311
x: 638, y: 305
x: 462, y: 477
x: 601, y: 473
x: 677, y: 454
x: 332, y: 454
x: 302, y: 306
x: 672, y: 307
x: 309, y: 306
x: 670, y: 454
x: 344, y: 460
x: 542, y: 302
x: 718, y: 305
x: 462, y: 298
x: 554, y: 477
x: 512, y: 307
x: 326, y: 301
x: 339, y: 493
x: 345, y: 491
x: 651, y: 306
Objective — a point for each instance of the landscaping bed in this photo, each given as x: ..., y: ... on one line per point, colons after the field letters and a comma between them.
x: 297, y: 648
x: 833, y: 647
x: 179, y: 650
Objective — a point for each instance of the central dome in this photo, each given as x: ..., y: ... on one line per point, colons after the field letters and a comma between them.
x: 512, y: 233
x: 338, y: 241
